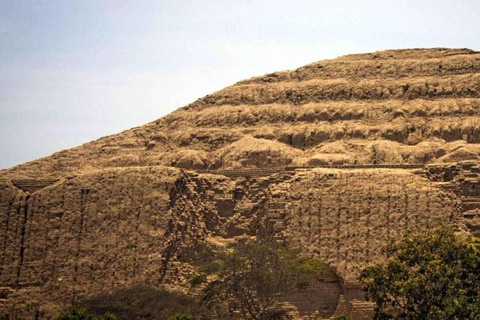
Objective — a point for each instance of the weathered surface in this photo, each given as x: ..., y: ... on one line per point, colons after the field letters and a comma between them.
x: 339, y: 157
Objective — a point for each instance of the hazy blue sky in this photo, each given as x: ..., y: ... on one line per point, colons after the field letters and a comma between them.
x: 74, y: 71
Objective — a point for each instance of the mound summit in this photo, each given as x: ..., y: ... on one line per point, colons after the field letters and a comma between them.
x: 340, y: 157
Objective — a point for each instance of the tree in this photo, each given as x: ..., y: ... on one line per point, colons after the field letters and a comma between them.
x: 251, y: 276
x: 432, y: 275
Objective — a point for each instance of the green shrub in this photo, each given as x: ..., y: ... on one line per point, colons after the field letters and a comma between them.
x: 82, y: 314
x: 141, y: 302
x: 197, y: 280
x: 433, y: 275
x: 181, y: 316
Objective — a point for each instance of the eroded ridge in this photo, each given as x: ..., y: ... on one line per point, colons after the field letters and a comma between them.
x: 390, y: 107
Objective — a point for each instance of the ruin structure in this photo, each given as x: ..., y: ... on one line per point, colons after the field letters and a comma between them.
x: 340, y: 157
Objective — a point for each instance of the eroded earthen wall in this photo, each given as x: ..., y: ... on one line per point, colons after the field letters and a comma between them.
x: 111, y: 229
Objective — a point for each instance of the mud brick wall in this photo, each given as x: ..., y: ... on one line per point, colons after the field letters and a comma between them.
x: 347, y: 218
x: 91, y: 234
x: 111, y: 229
x: 463, y: 179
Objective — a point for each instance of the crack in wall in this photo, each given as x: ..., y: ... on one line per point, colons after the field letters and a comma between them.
x: 7, y: 225
x: 22, y: 240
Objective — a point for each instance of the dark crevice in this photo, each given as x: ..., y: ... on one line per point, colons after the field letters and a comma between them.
x: 46, y: 246
x: 405, y: 213
x: 13, y: 256
x: 337, y: 229
x: 22, y: 239
x: 7, y: 225
x: 135, y: 246
x: 369, y: 224
x: 57, y: 240
x: 387, y: 215
x: 30, y: 219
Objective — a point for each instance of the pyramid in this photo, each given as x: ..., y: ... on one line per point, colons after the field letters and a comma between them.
x: 340, y: 157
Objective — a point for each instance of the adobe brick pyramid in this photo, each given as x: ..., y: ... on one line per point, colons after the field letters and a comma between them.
x: 339, y: 157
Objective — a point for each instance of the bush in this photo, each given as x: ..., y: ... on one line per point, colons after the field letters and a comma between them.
x: 197, y: 280
x: 141, y: 302
x: 181, y: 316
x: 82, y: 314
x: 433, y: 275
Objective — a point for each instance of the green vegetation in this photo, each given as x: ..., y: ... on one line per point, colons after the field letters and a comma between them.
x: 433, y: 275
x: 247, y: 278
x: 181, y: 316
x: 82, y: 314
x: 142, y: 302
x: 251, y: 276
